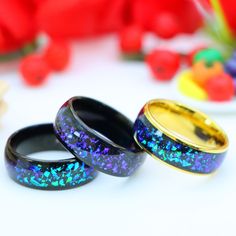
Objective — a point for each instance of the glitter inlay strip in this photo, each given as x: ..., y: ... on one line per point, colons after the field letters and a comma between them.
x: 90, y: 147
x: 172, y: 152
x: 47, y: 175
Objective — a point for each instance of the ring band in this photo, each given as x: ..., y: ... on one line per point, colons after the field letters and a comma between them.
x: 98, y: 135
x: 180, y: 136
x: 42, y: 174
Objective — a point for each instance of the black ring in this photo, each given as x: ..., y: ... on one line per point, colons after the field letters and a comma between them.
x: 42, y: 174
x: 98, y: 135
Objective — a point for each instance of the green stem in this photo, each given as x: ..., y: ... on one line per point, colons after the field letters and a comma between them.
x: 25, y: 50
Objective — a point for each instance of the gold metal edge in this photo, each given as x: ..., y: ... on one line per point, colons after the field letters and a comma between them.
x: 169, y: 134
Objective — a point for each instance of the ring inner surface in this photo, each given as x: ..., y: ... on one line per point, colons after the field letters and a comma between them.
x: 187, y: 125
x: 106, y: 121
x: 35, y: 140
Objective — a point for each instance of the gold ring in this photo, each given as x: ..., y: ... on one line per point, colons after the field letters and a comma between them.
x: 181, y: 136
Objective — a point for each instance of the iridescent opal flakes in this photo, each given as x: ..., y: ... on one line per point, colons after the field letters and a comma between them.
x: 172, y: 152
x: 102, y: 139
x: 67, y: 174
x: 42, y: 174
x: 88, y: 146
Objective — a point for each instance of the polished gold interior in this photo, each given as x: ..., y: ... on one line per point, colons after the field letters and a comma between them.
x: 186, y: 125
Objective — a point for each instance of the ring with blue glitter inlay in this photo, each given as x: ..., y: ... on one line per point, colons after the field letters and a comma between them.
x: 180, y: 136
x: 43, y: 174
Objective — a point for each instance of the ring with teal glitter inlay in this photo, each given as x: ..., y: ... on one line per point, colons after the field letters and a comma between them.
x: 180, y: 136
x: 43, y: 174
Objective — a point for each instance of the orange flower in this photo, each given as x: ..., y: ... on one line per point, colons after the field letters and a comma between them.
x: 202, y: 72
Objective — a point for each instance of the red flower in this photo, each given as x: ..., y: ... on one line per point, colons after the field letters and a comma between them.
x: 20, y: 19
x: 229, y: 12
x: 17, y: 26
x: 80, y: 18
x: 146, y: 13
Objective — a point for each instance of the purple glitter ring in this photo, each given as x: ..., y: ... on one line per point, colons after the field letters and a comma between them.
x: 99, y: 136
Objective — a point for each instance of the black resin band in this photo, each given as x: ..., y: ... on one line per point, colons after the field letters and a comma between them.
x: 98, y: 135
x: 42, y: 174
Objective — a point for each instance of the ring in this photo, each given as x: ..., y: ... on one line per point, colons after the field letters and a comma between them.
x: 180, y: 136
x: 98, y: 135
x: 42, y: 174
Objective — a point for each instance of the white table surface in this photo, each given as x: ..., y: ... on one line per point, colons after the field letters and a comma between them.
x: 156, y: 201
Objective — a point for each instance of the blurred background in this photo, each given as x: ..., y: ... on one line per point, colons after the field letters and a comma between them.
x: 124, y: 53
x: 189, y: 42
